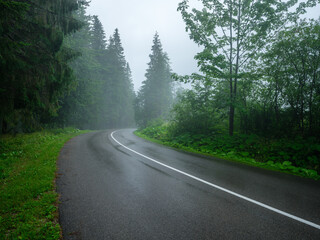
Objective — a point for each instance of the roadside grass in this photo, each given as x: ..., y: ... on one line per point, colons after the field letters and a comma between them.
x: 28, y: 200
x: 250, y: 150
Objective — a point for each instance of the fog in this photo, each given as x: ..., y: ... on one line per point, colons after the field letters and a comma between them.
x: 137, y: 21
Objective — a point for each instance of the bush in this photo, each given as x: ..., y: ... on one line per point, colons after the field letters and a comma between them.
x: 299, y: 156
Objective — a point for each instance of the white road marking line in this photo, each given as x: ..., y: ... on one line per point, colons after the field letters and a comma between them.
x: 221, y: 188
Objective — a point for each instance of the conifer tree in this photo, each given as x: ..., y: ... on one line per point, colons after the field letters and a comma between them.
x: 33, y: 63
x: 54, y: 75
x: 80, y: 107
x: 98, y: 41
x: 119, y: 91
x: 155, y: 96
x: 128, y: 115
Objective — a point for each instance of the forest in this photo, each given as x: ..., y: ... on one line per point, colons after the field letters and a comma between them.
x: 58, y: 69
x: 253, y: 103
x: 256, y: 97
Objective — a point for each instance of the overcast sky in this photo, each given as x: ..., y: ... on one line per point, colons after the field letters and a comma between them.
x: 138, y: 20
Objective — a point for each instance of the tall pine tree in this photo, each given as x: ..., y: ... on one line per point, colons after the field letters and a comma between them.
x: 80, y: 108
x: 33, y: 63
x: 155, y: 96
x: 98, y: 41
x: 120, y: 91
x: 103, y: 96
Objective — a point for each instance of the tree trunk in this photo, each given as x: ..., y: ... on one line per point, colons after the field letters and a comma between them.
x: 234, y: 94
x: 312, y: 85
x: 231, y: 113
x: 231, y: 120
x: 1, y: 124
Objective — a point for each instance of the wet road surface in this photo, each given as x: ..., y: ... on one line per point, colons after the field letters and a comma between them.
x: 111, y: 189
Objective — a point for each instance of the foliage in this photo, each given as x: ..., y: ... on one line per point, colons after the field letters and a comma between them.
x: 232, y: 34
x: 292, y: 79
x: 33, y: 63
x: 119, y: 89
x: 196, y: 113
x: 78, y: 106
x: 296, y: 156
x: 155, y: 96
x: 103, y: 93
x: 56, y: 74
x: 28, y: 208
x: 260, y: 84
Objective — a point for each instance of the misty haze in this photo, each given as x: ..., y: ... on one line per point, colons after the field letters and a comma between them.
x: 172, y: 119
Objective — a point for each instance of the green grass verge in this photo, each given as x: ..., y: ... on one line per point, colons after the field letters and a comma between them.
x: 28, y: 208
x: 285, y: 167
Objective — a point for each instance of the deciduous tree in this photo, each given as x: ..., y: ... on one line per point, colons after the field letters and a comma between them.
x: 232, y: 34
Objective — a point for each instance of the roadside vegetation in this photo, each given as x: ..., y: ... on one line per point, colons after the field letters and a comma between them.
x: 28, y: 197
x: 256, y: 97
x: 58, y: 69
x: 295, y: 156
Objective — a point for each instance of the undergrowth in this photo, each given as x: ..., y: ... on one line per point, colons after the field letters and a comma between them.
x: 296, y: 156
x: 28, y: 208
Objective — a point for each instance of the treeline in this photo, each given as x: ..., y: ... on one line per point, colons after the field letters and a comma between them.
x: 57, y: 69
x: 33, y: 61
x: 259, y: 70
x: 103, y: 95
x: 155, y: 96
x: 257, y: 96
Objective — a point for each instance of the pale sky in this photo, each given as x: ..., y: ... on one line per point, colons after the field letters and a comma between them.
x: 138, y: 20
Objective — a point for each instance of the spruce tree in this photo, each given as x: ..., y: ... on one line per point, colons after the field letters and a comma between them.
x: 80, y: 107
x: 34, y: 63
x: 128, y: 119
x: 155, y: 96
x: 103, y: 96
x: 98, y: 41
x: 100, y: 74
x: 119, y: 91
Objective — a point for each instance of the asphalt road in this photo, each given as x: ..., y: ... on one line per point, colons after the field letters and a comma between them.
x: 123, y: 187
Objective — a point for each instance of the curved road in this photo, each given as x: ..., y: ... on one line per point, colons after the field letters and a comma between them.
x: 114, y: 185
